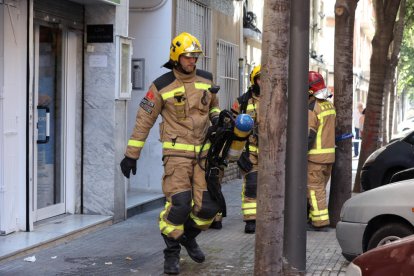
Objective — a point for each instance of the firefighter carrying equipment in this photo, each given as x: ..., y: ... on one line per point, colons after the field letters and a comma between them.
x: 317, y: 87
x: 221, y: 138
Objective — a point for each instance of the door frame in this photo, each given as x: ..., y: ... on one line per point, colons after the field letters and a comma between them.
x: 67, y: 141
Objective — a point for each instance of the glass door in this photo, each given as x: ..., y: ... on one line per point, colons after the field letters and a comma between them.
x: 49, y: 123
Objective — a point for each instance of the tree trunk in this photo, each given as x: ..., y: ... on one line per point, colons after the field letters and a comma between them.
x: 386, y: 12
x: 392, y: 110
x: 390, y: 80
x: 385, y: 109
x: 272, y: 136
x: 341, y: 180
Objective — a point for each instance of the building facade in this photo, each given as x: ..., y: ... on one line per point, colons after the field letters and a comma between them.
x: 72, y: 74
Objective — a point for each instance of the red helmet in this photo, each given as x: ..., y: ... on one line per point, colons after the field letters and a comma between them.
x: 317, y: 87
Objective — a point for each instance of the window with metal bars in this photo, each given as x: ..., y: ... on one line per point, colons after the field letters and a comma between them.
x: 227, y: 73
x: 195, y: 18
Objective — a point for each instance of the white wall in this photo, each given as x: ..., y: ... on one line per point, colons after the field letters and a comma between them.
x: 152, y: 33
x: 13, y: 116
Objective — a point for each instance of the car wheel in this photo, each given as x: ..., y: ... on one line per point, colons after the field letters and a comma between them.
x: 389, y: 233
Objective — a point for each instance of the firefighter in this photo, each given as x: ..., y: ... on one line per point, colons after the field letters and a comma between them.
x: 321, y: 149
x: 248, y: 162
x: 183, y: 99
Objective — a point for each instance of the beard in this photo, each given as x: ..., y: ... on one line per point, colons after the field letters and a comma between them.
x: 186, y: 69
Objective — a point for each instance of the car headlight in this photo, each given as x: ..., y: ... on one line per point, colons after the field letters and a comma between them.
x: 353, y: 270
x: 374, y: 155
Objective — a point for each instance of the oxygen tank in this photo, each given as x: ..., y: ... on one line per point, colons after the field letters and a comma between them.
x: 242, y: 127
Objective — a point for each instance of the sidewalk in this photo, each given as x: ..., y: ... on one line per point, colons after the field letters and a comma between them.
x: 134, y: 247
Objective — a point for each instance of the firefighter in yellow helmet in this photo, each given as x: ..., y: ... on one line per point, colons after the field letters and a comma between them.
x: 248, y: 162
x: 321, y: 146
x: 183, y: 99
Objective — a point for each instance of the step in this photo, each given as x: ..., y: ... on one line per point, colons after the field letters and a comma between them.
x: 50, y: 233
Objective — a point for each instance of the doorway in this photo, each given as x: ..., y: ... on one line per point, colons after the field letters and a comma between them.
x: 55, y: 86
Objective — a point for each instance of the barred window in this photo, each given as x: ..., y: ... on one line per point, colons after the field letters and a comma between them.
x: 194, y: 18
x: 227, y: 73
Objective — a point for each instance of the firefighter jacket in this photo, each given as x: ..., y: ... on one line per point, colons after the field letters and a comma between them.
x: 248, y: 103
x: 185, y: 104
x: 321, y: 120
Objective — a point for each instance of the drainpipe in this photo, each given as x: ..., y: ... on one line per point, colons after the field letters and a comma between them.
x: 297, y: 133
x: 2, y: 184
x: 241, y: 75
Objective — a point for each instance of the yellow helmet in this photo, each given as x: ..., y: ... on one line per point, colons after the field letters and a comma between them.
x: 184, y: 44
x: 255, y: 73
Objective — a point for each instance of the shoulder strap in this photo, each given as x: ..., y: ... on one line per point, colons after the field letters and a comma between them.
x: 244, y: 101
x: 311, y: 105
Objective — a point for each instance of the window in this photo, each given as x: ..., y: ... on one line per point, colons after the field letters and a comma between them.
x: 195, y: 19
x: 227, y: 72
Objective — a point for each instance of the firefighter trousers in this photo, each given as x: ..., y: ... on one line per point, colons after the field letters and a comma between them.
x: 318, y: 177
x: 188, y: 201
x: 249, y: 192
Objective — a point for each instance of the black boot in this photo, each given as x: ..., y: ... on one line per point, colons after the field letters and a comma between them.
x: 189, y: 242
x: 171, y: 256
x: 250, y: 227
x: 216, y: 225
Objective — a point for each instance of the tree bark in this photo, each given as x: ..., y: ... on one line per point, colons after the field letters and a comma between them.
x: 390, y: 80
x: 395, y: 58
x: 272, y: 136
x: 386, y: 12
x: 341, y: 180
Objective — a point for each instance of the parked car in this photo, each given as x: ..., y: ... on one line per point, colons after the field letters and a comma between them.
x: 376, y: 217
x: 383, y: 163
x: 395, y: 258
x: 407, y: 124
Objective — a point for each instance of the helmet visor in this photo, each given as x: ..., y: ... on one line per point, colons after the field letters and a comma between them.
x: 191, y: 54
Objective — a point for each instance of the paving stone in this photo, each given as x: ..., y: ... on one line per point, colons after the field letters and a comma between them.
x: 134, y: 247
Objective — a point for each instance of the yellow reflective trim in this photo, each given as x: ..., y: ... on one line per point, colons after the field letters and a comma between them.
x: 313, y: 200
x: 215, y: 109
x: 186, y: 147
x: 318, y: 149
x: 253, y: 149
x: 326, y: 113
x: 201, y: 222
x: 249, y: 205
x: 170, y: 94
x: 136, y: 143
x: 249, y: 212
x: 206, y: 147
x: 319, y: 213
x: 200, y: 85
x: 316, y: 214
x: 165, y: 227
x: 318, y: 218
x: 251, y: 107
x: 322, y: 151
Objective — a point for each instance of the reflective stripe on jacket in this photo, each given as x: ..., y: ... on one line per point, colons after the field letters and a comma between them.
x: 186, y: 106
x: 321, y: 119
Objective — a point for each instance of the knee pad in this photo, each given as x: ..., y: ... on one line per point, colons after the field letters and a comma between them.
x: 180, y: 207
x: 209, y: 207
x: 250, y: 187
